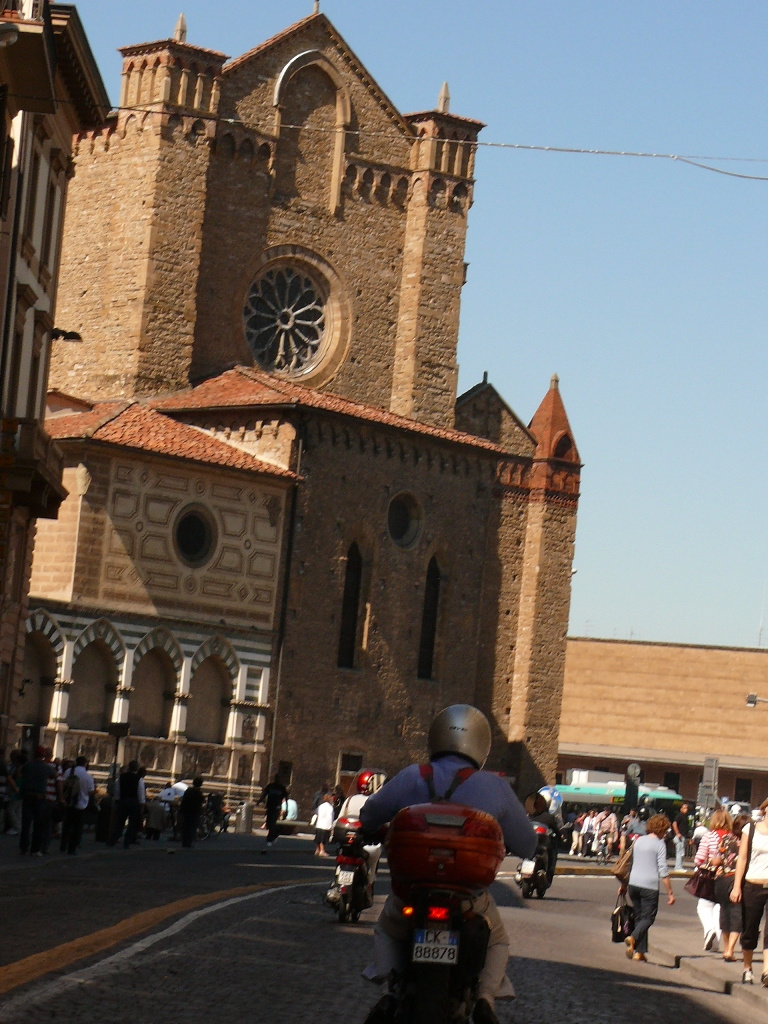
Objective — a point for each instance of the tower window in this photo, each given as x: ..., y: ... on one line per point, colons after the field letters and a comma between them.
x: 350, y: 604
x: 429, y: 621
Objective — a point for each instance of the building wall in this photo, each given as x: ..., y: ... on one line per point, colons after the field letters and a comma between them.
x: 379, y: 707
x: 113, y: 544
x: 191, y: 210
x: 666, y: 707
x: 39, y: 112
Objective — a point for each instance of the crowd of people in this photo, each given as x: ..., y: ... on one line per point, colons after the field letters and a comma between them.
x: 48, y: 801
x: 730, y: 882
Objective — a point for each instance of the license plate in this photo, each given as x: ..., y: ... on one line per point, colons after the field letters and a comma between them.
x: 346, y: 877
x: 527, y: 868
x: 435, y: 947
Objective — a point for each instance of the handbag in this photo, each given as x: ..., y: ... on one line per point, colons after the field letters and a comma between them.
x: 622, y: 919
x: 701, y: 884
x: 623, y: 866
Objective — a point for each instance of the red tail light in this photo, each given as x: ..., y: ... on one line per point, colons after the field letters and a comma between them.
x: 541, y: 829
x: 438, y: 914
x: 407, y: 911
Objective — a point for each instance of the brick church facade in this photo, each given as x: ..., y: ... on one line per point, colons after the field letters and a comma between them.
x: 286, y: 542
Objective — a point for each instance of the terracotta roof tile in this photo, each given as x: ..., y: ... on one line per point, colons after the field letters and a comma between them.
x: 246, y: 387
x: 133, y: 425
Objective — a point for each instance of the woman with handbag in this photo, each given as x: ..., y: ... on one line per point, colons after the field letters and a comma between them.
x: 649, y: 866
x: 708, y: 859
x: 730, y: 913
x: 750, y: 888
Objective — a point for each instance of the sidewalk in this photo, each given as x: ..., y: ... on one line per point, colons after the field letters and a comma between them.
x: 676, y: 945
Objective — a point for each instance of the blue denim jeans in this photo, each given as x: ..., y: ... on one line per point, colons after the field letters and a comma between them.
x: 679, y: 842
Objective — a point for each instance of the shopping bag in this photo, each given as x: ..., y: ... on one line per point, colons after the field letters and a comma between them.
x: 702, y: 884
x: 622, y: 919
x: 623, y: 866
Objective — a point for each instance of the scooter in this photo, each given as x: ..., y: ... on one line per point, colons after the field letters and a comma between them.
x: 533, y: 875
x: 440, y: 855
x: 350, y: 892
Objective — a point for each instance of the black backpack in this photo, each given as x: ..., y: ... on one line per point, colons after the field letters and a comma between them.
x: 71, y: 788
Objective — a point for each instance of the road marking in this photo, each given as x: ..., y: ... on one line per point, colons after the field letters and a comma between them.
x: 59, y: 957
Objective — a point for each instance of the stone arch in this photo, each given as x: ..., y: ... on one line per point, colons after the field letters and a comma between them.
x: 153, y: 685
x: 43, y: 651
x: 226, y: 146
x: 304, y: 60
x: 384, y: 187
x: 437, y: 193
x: 217, y: 646
x: 214, y: 671
x: 314, y: 59
x: 459, y: 196
x: 563, y: 447
x: 400, y: 192
x: 159, y: 638
x: 101, y: 629
x: 245, y: 151
x: 95, y: 677
x: 41, y: 622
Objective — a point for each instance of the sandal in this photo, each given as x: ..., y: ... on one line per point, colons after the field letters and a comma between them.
x: 729, y: 959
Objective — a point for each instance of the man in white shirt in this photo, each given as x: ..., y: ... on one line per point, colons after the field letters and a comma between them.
x: 80, y: 794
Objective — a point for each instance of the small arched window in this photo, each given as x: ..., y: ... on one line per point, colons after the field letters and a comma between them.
x: 429, y: 621
x: 350, y: 604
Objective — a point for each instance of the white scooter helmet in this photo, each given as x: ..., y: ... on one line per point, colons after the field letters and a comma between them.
x: 461, y: 729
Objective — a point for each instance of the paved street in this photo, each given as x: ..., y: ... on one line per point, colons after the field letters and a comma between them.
x: 266, y: 949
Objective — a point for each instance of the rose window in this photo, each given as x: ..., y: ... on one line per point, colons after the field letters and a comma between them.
x: 285, y: 318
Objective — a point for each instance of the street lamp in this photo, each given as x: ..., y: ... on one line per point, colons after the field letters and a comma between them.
x: 753, y: 700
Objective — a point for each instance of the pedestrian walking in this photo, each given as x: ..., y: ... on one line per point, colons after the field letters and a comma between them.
x: 750, y: 887
x: 35, y: 809
x: 272, y: 796
x: 78, y: 788
x: 708, y: 856
x: 130, y: 802
x: 578, y: 821
x: 681, y: 828
x: 324, y: 825
x: 730, y: 913
x: 649, y: 867
x: 190, y: 808
x: 53, y: 798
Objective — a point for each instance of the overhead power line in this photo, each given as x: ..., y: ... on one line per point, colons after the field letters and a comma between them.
x: 704, y: 163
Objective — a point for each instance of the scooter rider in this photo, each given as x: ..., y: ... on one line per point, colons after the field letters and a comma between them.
x: 460, y: 736
x: 537, y: 806
x: 366, y: 784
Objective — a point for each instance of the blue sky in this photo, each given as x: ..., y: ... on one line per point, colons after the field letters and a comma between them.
x: 640, y: 282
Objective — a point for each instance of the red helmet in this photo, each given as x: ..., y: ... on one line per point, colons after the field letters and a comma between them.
x: 368, y: 782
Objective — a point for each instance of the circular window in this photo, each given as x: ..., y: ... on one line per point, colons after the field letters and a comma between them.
x: 403, y: 519
x: 285, y: 320
x: 194, y: 536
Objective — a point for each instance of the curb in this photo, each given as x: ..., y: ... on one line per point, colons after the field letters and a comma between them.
x: 708, y: 973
